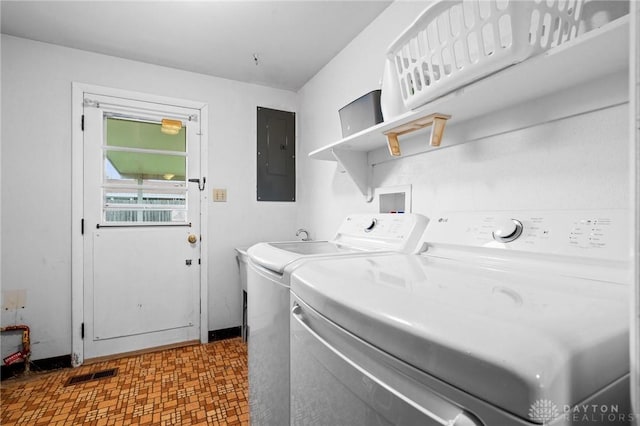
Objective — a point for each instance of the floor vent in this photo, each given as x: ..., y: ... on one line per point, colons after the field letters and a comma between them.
x: 92, y: 376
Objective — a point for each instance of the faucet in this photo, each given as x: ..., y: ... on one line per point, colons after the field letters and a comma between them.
x: 306, y: 234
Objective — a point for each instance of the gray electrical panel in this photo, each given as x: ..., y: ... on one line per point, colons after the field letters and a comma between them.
x: 276, y: 155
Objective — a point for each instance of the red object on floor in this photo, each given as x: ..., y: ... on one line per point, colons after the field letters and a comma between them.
x: 14, y: 357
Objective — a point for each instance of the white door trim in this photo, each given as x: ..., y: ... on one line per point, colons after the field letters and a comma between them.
x: 77, y: 190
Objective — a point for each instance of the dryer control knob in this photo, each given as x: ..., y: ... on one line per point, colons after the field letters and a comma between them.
x: 507, y: 230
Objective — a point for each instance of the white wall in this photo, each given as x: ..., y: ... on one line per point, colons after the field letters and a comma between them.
x: 577, y: 162
x: 326, y: 195
x: 36, y: 177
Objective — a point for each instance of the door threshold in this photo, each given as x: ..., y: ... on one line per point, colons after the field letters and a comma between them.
x: 140, y: 352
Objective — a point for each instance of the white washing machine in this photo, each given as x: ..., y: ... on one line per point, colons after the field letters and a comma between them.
x: 270, y: 266
x: 508, y: 318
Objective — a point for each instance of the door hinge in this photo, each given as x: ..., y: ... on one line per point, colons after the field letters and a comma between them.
x: 82, y: 123
x: 82, y: 330
x: 199, y: 261
x: 82, y: 226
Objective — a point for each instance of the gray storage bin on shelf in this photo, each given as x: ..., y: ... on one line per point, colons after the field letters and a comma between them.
x: 361, y: 114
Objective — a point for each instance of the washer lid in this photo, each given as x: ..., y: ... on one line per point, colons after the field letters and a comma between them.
x: 509, y: 338
x: 276, y: 256
x: 357, y: 233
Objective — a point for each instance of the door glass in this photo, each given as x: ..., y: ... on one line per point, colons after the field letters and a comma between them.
x: 144, y: 174
x: 143, y: 135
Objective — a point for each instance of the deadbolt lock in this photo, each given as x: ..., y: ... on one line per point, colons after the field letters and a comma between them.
x: 192, y: 238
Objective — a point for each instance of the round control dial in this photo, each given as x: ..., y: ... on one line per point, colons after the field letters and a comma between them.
x: 371, y: 225
x: 507, y: 230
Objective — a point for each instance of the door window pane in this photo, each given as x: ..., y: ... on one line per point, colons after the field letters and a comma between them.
x: 139, y: 167
x: 140, y: 134
x: 144, y: 174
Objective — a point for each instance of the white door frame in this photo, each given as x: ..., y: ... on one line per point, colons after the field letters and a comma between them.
x: 77, y: 209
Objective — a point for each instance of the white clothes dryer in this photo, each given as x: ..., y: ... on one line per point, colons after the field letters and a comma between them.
x: 508, y: 318
x: 270, y: 267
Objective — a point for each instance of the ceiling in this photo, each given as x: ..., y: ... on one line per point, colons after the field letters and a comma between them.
x: 293, y: 40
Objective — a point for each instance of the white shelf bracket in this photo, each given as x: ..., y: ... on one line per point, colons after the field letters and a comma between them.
x: 357, y: 167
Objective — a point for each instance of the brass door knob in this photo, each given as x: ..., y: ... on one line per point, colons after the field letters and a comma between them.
x: 192, y: 238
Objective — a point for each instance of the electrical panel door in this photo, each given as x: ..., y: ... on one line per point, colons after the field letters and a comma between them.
x: 276, y: 155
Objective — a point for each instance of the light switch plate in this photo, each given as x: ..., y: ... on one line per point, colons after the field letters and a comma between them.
x: 219, y: 195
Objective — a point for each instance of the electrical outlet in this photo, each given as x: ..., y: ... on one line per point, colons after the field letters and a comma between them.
x: 219, y: 195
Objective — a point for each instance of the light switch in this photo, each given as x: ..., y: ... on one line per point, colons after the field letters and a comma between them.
x: 219, y: 195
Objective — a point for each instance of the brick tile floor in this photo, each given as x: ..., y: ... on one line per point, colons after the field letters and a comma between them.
x: 196, y: 385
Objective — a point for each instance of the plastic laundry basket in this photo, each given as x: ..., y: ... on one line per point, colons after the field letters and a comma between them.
x: 455, y: 42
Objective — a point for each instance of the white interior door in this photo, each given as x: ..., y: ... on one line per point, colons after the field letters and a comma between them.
x: 141, y: 237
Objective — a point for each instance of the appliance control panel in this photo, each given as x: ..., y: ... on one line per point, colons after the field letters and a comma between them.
x: 386, y: 231
x: 602, y: 234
